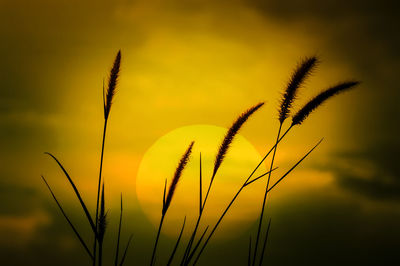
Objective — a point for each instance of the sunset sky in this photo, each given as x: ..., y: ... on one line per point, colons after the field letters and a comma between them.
x: 200, y: 62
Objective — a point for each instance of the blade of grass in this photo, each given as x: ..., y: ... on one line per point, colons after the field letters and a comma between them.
x: 126, y: 251
x: 68, y: 220
x: 265, y: 242
x: 78, y: 195
x: 200, y: 239
x: 177, y: 243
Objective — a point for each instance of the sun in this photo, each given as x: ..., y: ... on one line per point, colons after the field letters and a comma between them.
x: 160, y: 161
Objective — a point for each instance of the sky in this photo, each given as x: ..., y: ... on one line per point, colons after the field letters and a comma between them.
x: 190, y: 63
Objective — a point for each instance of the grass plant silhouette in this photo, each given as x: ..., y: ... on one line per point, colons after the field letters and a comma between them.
x: 98, y: 224
x: 194, y: 249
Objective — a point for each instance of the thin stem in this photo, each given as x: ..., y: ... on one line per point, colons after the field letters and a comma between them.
x: 201, y: 187
x: 100, y: 253
x: 158, y: 236
x: 119, y: 235
x: 189, y: 245
x: 294, y: 166
x: 265, y: 195
x: 177, y: 244
x: 258, y: 177
x: 98, y: 189
x: 201, y: 238
x: 208, y: 190
x: 102, y: 226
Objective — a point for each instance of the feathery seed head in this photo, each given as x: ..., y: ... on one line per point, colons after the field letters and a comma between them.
x: 318, y: 100
x: 303, y: 70
x: 112, y: 84
x: 230, y: 135
x: 178, y: 173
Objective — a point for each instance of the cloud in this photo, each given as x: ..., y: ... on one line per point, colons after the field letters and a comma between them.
x: 21, y: 230
x: 373, y: 173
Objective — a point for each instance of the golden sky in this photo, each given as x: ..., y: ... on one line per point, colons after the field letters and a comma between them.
x: 198, y: 62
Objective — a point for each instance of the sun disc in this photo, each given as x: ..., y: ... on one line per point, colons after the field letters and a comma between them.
x: 160, y: 161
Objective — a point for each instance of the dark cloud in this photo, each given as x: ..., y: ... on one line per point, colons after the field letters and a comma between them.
x: 326, y: 10
x: 323, y: 230
x: 361, y: 33
x: 20, y: 200
x: 364, y: 35
x: 373, y: 188
x: 374, y: 173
